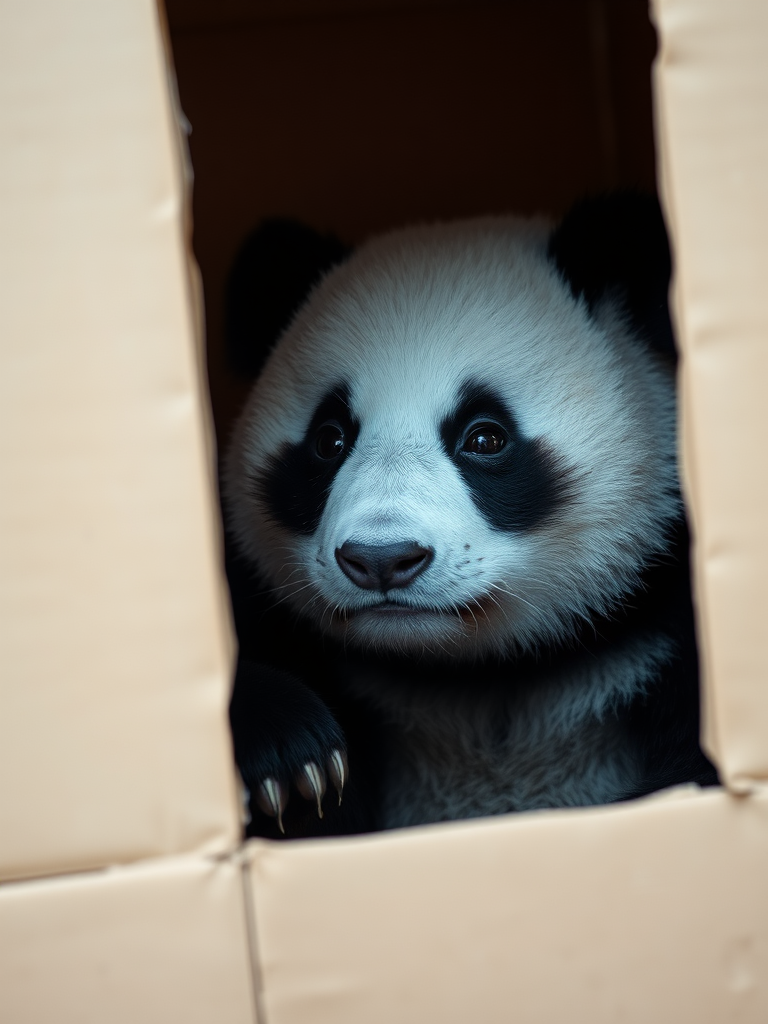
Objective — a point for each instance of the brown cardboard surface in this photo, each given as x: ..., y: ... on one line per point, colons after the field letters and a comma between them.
x: 114, y: 648
x: 160, y: 942
x: 712, y: 106
x: 649, y: 912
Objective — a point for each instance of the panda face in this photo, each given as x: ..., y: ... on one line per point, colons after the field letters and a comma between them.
x: 447, y: 455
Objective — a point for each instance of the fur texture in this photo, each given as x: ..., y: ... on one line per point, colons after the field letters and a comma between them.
x: 458, y: 466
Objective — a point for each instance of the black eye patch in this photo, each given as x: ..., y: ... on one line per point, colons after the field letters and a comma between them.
x: 515, y: 482
x: 298, y: 478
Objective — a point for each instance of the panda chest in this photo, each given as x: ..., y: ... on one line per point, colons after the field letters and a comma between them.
x: 461, y: 758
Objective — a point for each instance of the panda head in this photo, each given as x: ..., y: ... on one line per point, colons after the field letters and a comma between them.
x: 461, y: 445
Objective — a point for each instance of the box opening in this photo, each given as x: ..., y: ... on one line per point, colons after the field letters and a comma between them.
x: 357, y: 118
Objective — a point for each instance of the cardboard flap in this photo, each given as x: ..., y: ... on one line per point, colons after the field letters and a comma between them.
x: 653, y: 911
x: 160, y: 942
x: 115, y: 671
x: 711, y: 90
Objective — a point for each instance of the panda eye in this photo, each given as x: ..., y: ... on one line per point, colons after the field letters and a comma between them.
x: 485, y: 439
x: 329, y: 441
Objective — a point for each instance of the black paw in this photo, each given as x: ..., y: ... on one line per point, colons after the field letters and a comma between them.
x: 290, y: 751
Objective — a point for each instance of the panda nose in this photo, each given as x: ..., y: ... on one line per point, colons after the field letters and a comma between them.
x: 383, y: 566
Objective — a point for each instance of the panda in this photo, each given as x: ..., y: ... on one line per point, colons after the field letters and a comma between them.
x: 457, y: 546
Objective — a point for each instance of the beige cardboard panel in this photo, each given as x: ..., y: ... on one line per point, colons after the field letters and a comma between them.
x: 114, y: 647
x: 712, y: 101
x: 650, y: 912
x: 163, y: 942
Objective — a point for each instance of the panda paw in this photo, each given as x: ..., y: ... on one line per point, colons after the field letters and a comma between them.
x: 287, y: 743
x: 271, y: 793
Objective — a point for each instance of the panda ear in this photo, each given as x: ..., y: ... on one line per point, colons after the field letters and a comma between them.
x: 272, y: 275
x: 616, y: 246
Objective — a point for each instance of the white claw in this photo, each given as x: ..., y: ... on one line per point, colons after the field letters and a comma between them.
x: 311, y: 784
x: 338, y: 769
x: 245, y: 804
x: 272, y: 798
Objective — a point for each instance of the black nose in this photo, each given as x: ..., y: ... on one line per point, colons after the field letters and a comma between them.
x: 383, y: 566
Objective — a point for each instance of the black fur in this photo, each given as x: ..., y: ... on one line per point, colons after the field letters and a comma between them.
x: 521, y: 485
x: 589, y: 248
x: 273, y: 272
x: 278, y: 725
x: 298, y: 480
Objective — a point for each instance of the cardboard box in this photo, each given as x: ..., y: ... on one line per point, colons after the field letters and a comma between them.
x: 116, y: 650
x: 117, y: 781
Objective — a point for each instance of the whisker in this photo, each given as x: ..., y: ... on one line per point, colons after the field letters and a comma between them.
x: 293, y: 593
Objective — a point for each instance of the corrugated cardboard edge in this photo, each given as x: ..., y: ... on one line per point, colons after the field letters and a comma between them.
x: 711, y: 97
x: 181, y: 129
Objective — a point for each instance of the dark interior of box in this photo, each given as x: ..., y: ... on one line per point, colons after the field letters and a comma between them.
x: 359, y: 115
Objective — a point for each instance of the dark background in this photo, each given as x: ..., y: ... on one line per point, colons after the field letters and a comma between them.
x: 359, y: 115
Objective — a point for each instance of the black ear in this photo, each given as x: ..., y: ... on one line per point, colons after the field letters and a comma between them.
x: 617, y: 244
x: 272, y: 275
